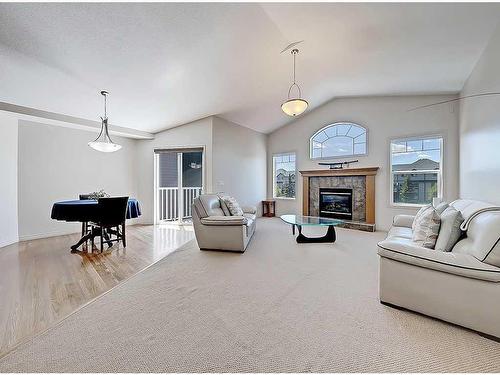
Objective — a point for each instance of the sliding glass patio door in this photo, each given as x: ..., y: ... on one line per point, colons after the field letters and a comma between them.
x: 178, y: 181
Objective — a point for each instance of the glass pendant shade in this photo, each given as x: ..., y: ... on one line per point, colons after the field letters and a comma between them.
x: 104, y: 146
x: 103, y: 142
x: 294, y: 107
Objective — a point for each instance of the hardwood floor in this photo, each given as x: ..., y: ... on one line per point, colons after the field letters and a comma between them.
x: 41, y: 282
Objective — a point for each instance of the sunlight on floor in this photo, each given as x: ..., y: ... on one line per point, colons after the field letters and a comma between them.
x: 167, y: 237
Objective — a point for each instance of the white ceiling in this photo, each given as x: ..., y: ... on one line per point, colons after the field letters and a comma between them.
x: 168, y: 64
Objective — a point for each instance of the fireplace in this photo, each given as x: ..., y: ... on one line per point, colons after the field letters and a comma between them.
x: 335, y: 203
x: 357, y: 211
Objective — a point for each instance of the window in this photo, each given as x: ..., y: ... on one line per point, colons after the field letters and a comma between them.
x: 338, y: 140
x: 416, y: 170
x: 284, y: 173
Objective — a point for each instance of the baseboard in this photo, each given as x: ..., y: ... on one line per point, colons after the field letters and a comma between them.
x: 37, y: 236
x: 8, y: 242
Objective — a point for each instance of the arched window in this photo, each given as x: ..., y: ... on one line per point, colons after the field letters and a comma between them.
x: 338, y: 140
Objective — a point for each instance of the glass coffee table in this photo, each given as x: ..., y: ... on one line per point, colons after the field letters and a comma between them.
x: 300, y: 220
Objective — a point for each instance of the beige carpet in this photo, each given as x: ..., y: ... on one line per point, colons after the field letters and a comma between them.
x: 279, y: 307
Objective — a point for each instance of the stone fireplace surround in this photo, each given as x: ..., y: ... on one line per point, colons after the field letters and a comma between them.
x: 360, y: 180
x: 356, y: 183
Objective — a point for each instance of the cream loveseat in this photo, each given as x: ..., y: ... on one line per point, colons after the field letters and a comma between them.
x: 216, y: 229
x: 461, y: 286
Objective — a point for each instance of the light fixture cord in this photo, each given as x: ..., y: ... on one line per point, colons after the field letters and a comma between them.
x: 105, y: 119
x: 294, y: 53
x: 105, y: 102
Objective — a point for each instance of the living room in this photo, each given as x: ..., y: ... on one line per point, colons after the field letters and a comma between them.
x: 249, y: 187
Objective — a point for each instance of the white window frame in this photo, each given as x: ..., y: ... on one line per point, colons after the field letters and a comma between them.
x: 274, y: 174
x: 440, y: 182
x: 340, y: 156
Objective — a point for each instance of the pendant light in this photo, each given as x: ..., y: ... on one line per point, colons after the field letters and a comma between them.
x: 294, y: 106
x: 103, y: 142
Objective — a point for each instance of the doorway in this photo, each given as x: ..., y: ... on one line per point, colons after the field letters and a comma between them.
x: 178, y: 181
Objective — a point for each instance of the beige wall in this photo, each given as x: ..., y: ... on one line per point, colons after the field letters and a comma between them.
x: 8, y: 184
x: 385, y: 118
x: 239, y: 162
x: 480, y: 129
x: 197, y: 133
x: 55, y: 163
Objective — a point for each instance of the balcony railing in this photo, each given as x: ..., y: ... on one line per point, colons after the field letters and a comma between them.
x: 168, y: 202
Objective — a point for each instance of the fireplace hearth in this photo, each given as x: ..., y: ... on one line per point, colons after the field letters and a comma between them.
x: 335, y: 203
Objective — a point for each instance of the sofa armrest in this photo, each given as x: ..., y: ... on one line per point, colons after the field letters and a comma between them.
x: 224, y: 220
x: 249, y: 209
x: 403, y: 221
x: 405, y: 251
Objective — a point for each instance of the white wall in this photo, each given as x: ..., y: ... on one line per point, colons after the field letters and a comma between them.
x: 197, y: 133
x: 55, y: 163
x: 8, y: 184
x: 239, y: 162
x: 385, y: 118
x: 480, y: 129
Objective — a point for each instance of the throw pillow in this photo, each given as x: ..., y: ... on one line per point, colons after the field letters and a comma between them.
x: 450, y: 231
x: 427, y: 228
x: 418, y: 214
x: 223, y: 205
x: 441, y: 207
x: 232, y: 205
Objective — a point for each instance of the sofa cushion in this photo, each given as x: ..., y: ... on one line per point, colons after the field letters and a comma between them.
x: 224, y: 220
x: 449, y: 232
x: 198, y: 207
x: 250, y: 216
x: 468, y: 206
x: 249, y: 209
x: 483, y: 238
x: 211, y: 205
x: 426, y: 228
x: 403, y: 221
x: 232, y: 205
x: 402, y: 232
x: 404, y: 250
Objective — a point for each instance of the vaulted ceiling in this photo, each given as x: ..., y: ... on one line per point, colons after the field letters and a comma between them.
x: 168, y: 64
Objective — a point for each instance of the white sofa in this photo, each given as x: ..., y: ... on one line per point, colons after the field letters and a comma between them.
x: 461, y: 286
x: 216, y: 229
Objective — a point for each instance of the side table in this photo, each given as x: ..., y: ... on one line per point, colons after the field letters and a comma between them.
x: 268, y: 208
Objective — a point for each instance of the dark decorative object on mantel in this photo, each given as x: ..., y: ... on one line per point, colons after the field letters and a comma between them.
x: 340, y: 164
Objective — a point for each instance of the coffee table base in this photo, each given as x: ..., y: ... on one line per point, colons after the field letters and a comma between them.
x: 330, y: 236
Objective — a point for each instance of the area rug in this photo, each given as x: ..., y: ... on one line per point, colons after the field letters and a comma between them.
x: 278, y: 307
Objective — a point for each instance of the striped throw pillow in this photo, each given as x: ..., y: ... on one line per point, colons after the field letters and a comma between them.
x: 426, y: 228
x: 232, y: 205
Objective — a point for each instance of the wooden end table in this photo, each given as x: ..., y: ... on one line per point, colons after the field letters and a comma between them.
x: 268, y: 208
